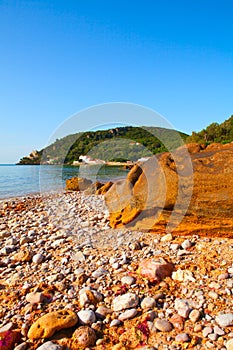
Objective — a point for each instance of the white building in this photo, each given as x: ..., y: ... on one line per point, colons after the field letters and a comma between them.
x: 89, y: 160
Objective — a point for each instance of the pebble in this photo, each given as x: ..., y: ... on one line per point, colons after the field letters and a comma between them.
x: 206, y: 331
x: 79, y: 256
x: 213, y: 295
x: 128, y: 280
x: 127, y: 314
x: 213, y: 336
x: 182, y: 307
x: 125, y: 301
x: 167, y: 238
x: 218, y: 330
x: 35, y: 298
x: 148, y: 303
x: 6, y: 327
x: 224, y: 320
x: 209, y: 345
x: 197, y: 328
x: 194, y: 315
x: 182, y: 338
x: 87, y: 316
x: 38, y: 258
x: 223, y: 276
x: 99, y: 272
x: 115, y: 323
x: 183, y: 275
x: 102, y: 311
x: 22, y: 346
x: 163, y: 325
x: 229, y: 344
x: 83, y: 336
x: 49, y: 346
x: 186, y: 244
x: 177, y: 322
x: 87, y: 266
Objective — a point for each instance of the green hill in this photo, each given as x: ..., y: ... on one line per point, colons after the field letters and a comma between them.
x: 117, y: 144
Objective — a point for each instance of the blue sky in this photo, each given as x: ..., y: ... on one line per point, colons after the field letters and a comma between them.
x: 61, y: 56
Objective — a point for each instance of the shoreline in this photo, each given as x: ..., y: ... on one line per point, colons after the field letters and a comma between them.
x: 59, y: 253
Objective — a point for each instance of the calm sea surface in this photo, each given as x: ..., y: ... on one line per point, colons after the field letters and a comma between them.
x: 21, y: 180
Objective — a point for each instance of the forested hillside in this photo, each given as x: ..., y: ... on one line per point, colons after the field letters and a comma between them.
x: 222, y: 133
x: 123, y: 143
x: 126, y: 143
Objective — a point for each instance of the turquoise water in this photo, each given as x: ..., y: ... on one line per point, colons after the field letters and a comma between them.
x: 21, y: 180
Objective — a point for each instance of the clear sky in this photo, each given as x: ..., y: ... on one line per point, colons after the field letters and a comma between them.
x: 61, y: 56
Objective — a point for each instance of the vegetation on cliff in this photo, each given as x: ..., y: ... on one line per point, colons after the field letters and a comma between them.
x: 222, y: 133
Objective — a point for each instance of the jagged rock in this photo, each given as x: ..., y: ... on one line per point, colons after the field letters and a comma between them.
x: 77, y: 184
x: 188, y: 190
x: 48, y: 324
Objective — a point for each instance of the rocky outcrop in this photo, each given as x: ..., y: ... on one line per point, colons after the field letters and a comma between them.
x: 190, y: 190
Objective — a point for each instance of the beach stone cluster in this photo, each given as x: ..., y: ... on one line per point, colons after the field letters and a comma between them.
x: 69, y: 281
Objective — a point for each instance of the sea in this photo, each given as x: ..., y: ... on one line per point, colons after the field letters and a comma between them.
x: 23, y: 180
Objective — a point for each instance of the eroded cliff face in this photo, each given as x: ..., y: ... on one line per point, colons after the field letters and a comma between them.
x: 189, y: 191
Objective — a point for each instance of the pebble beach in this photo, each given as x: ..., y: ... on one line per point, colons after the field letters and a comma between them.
x: 69, y: 281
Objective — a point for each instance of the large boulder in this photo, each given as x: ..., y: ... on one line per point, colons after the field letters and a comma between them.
x: 54, y: 321
x: 188, y: 191
x: 77, y: 184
